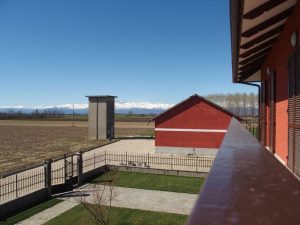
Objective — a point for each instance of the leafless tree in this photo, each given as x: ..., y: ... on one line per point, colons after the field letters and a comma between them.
x: 241, y: 104
x: 99, y: 202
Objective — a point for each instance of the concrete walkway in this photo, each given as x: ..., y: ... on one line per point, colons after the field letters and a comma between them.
x: 130, y: 146
x: 159, y: 201
x: 49, y: 213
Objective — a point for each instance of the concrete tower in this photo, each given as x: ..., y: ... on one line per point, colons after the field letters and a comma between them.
x: 101, y: 117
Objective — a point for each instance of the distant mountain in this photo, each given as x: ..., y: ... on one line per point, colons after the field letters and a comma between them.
x: 120, y: 107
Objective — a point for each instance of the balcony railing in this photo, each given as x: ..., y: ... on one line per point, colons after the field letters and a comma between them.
x: 247, y: 185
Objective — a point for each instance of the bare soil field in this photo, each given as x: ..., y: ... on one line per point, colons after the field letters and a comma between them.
x: 26, y: 143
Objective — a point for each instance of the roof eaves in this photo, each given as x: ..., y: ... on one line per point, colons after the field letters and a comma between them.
x: 236, y: 15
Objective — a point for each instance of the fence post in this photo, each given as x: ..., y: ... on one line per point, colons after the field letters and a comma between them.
x: 148, y: 160
x: 16, y: 178
x: 80, y: 166
x: 66, y: 167
x: 126, y: 159
x: 47, y: 174
x: 171, y: 161
x: 72, y: 166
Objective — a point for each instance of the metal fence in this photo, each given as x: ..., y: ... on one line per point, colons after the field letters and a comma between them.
x: 93, y: 160
x: 161, y: 161
x: 251, y: 123
x: 19, y: 184
x: 54, y: 173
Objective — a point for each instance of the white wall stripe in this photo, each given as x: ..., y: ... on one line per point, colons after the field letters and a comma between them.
x: 191, y: 130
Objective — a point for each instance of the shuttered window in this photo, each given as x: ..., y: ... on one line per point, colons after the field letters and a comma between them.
x: 262, y: 113
x: 294, y: 112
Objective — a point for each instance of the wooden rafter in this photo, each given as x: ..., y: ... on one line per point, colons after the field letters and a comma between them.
x: 254, y: 57
x: 263, y: 8
x: 252, y: 64
x: 259, y: 48
x: 246, y: 73
x: 263, y: 37
x: 267, y: 23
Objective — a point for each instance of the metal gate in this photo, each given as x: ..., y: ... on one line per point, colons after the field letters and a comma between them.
x: 64, y: 174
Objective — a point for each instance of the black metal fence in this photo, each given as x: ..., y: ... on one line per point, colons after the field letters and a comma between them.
x: 15, y: 185
x: 161, y: 161
x: 65, y: 172
x: 251, y: 123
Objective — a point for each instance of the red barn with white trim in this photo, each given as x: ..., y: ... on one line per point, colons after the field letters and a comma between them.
x: 195, y: 125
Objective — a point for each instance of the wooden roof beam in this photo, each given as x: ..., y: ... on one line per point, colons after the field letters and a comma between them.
x: 254, y: 57
x: 253, y: 64
x: 269, y: 22
x: 263, y: 8
x: 263, y: 37
x: 259, y: 48
x: 247, y: 73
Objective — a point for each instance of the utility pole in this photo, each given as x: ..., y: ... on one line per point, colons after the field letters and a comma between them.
x: 73, y: 116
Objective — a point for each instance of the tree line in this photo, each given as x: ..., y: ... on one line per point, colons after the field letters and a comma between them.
x: 241, y: 104
x: 36, y: 114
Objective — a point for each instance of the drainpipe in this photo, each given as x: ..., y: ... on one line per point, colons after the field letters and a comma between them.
x: 258, y: 87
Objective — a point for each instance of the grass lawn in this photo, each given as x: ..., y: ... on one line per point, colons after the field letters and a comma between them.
x: 149, y: 181
x: 29, y: 212
x: 120, y: 216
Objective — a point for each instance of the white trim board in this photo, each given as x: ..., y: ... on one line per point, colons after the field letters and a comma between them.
x: 191, y: 130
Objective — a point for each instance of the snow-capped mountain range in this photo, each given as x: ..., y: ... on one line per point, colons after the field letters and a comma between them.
x: 120, y: 107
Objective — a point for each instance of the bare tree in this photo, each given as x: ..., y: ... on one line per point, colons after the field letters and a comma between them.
x: 242, y: 104
x: 99, y: 202
x: 253, y: 103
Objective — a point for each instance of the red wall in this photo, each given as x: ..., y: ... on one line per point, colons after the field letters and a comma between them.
x: 188, y: 139
x: 278, y: 61
x: 192, y: 114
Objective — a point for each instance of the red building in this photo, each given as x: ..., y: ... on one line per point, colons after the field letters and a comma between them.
x: 195, y: 126
x: 251, y: 182
x: 265, y: 49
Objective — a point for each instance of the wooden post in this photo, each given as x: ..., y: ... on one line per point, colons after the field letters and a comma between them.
x: 47, y: 174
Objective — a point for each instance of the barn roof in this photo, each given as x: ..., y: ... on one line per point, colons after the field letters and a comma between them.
x: 200, y: 98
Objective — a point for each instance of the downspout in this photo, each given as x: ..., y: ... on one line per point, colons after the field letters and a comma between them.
x: 259, y: 94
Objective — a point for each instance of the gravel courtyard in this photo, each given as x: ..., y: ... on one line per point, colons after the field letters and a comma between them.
x: 130, y: 146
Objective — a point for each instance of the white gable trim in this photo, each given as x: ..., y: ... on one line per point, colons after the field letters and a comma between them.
x: 192, y: 130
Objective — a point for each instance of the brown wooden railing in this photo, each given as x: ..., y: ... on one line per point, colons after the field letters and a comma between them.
x: 247, y: 185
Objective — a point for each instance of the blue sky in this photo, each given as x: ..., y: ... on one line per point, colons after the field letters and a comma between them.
x: 58, y: 51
